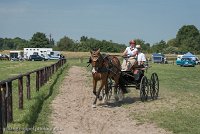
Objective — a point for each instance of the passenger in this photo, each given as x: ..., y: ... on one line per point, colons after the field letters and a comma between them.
x: 141, y: 58
x: 129, y: 55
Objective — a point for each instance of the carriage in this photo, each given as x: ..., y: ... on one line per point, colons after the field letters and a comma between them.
x: 107, y: 70
x: 136, y: 78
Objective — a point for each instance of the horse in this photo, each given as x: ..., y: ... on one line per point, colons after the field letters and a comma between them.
x: 104, y: 67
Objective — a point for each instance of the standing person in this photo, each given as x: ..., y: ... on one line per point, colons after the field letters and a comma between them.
x: 141, y: 58
x: 129, y: 55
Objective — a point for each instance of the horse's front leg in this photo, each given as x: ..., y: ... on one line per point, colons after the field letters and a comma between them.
x: 97, y: 96
x: 94, y: 86
x: 94, y: 92
x: 94, y: 103
x: 99, y: 90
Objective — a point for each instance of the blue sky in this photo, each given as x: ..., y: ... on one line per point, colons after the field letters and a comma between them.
x: 116, y: 20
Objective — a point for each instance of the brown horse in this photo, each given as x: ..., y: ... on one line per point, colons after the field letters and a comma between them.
x: 104, y: 67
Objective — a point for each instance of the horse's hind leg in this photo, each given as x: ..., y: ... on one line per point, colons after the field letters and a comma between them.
x: 118, y: 94
x: 105, y: 98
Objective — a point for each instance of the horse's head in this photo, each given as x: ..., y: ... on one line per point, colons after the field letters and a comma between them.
x: 96, y: 60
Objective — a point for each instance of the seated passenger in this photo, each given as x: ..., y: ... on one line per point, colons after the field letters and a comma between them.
x: 129, y: 56
x: 141, y: 58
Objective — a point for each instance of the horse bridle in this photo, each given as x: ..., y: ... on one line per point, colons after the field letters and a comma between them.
x: 99, y: 61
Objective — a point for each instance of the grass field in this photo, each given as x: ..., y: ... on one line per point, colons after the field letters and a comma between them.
x: 28, y: 116
x: 177, y: 108
x: 13, y: 68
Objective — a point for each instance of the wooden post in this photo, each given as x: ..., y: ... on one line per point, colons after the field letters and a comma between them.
x: 48, y: 73
x: 1, y: 112
x: 41, y: 78
x: 9, y: 101
x: 53, y: 69
x: 37, y: 80
x: 4, y: 107
x: 28, y: 83
x: 20, y: 92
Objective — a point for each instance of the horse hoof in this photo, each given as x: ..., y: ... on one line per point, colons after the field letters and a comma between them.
x: 93, y: 106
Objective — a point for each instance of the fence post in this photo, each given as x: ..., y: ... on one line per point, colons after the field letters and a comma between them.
x: 28, y: 95
x: 4, y: 105
x: 41, y: 78
x: 37, y: 80
x: 47, y: 74
x: 9, y: 101
x: 1, y: 113
x: 20, y: 91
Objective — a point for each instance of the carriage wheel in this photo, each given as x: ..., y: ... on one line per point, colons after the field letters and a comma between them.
x: 154, y: 90
x: 144, y: 89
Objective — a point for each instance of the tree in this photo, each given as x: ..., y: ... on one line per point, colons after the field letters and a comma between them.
x: 20, y: 43
x: 159, y: 47
x: 145, y: 46
x: 66, y: 44
x: 188, y: 38
x: 39, y: 40
x: 172, y: 42
x: 83, y: 38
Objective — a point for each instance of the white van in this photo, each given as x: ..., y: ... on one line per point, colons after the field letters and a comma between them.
x: 54, y: 55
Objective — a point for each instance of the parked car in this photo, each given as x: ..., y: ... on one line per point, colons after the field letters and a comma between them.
x: 36, y: 58
x: 197, y: 61
x: 186, y: 62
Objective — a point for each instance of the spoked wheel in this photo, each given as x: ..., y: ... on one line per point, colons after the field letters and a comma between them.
x: 144, y: 89
x: 154, y: 90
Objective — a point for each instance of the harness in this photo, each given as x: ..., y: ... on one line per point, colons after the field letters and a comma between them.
x: 104, y: 68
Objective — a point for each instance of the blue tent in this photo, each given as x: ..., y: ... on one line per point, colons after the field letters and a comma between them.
x: 188, y: 55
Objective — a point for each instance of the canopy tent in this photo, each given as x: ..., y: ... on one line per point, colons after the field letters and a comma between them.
x: 189, y: 55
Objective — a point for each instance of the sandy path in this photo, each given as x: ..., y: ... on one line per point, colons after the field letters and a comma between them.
x: 73, y: 112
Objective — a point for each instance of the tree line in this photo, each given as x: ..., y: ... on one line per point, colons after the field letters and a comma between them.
x: 187, y: 39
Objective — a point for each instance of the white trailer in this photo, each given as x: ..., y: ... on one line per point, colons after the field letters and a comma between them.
x: 37, y: 51
x: 16, y: 55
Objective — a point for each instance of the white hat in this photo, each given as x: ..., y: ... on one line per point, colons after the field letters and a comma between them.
x: 138, y: 46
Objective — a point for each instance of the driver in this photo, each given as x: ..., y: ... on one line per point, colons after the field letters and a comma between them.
x: 129, y: 55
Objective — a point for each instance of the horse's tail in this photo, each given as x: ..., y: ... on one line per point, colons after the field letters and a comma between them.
x: 122, y: 84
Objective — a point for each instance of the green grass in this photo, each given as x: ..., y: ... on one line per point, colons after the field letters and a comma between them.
x: 178, y: 107
x: 9, y: 69
x: 29, y: 115
x: 45, y: 109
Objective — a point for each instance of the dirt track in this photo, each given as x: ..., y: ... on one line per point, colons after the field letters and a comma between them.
x: 73, y: 112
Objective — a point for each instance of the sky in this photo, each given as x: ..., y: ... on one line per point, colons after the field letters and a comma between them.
x: 116, y: 20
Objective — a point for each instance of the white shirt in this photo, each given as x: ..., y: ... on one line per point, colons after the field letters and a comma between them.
x: 141, y: 57
x: 131, y: 51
